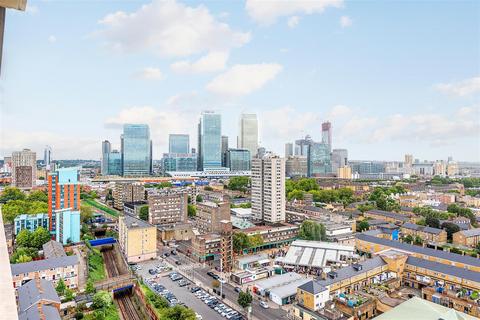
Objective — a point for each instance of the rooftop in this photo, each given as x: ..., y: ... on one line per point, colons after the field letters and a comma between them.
x: 413, y: 226
x: 132, y: 222
x: 53, y: 249
x: 417, y: 308
x: 388, y: 214
x: 313, y: 287
x: 420, y: 250
x: 34, y: 291
x: 279, y: 280
x: 40, y: 312
x: 250, y: 259
x: 444, y: 268
x: 40, y: 265
x: 471, y: 232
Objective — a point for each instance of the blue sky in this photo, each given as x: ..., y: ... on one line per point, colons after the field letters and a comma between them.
x: 392, y: 77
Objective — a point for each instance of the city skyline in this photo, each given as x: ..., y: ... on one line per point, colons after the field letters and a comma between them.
x: 380, y: 87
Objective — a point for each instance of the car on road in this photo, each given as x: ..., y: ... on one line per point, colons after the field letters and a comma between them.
x: 198, y: 317
x: 263, y: 304
x: 222, y: 280
x: 211, y: 274
x: 177, y: 262
x: 238, y: 289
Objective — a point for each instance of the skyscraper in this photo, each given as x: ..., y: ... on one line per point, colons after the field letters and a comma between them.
x: 339, y: 159
x: 47, y: 156
x: 178, y: 143
x: 301, y: 146
x: 209, y: 141
x: 248, y: 133
x: 63, y: 192
x: 268, y: 188
x: 318, y: 159
x: 288, y: 149
x: 238, y: 159
x: 114, y: 163
x: 136, y: 150
x: 106, y: 147
x: 224, y: 150
x: 24, y: 168
x: 327, y: 134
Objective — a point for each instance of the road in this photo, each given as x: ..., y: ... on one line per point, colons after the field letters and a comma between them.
x: 198, y: 272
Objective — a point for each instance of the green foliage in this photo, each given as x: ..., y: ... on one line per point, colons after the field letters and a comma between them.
x: 102, y: 300
x: 61, y: 287
x: 244, y: 299
x: 255, y: 240
x: 39, y: 237
x: 362, y: 226
x: 13, y: 208
x: 177, y: 313
x: 143, y: 213
x: 472, y: 193
x: 208, y: 188
x: 295, y: 194
x: 382, y: 199
x: 364, y: 207
x: 451, y: 228
x: 422, y: 222
x: 23, y: 238
x: 311, y: 230
x: 11, y: 193
x: 408, y: 239
x: 240, y: 183
x: 456, y: 250
x: 426, y: 212
x: 97, y: 205
x: 477, y: 248
x: 199, y: 198
x: 432, y: 221
x: 462, y: 212
x: 86, y: 213
x: 240, y: 241
x: 23, y: 254
x: 191, y: 210
x: 96, y: 271
x: 245, y: 205
x: 38, y: 195
x: 418, y: 240
x: 89, y: 288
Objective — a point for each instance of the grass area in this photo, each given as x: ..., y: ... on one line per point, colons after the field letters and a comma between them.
x: 96, y: 270
x: 111, y: 313
x: 93, y: 203
x: 163, y: 311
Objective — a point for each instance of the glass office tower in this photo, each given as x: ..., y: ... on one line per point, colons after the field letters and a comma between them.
x: 248, y: 133
x: 210, y: 141
x: 115, y: 163
x: 136, y: 150
x: 178, y: 143
x: 318, y: 159
x: 238, y: 160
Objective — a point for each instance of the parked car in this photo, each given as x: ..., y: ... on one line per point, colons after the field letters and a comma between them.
x: 151, y: 271
x: 238, y: 289
x: 211, y: 274
x: 263, y: 304
x: 174, y: 253
x: 178, y: 263
x: 194, y: 289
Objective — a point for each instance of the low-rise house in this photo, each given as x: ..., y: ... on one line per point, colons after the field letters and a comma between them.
x: 429, y: 234
x: 52, y: 269
x: 467, y: 238
x: 392, y: 217
x: 37, y: 299
x: 53, y: 249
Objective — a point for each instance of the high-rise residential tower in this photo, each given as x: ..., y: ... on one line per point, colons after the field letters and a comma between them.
x: 288, y: 149
x: 248, y: 133
x: 47, y: 157
x: 268, y: 188
x: 178, y: 143
x: 24, y: 168
x: 106, y: 148
x: 209, y: 141
x: 327, y: 134
x: 136, y: 150
x: 63, y: 193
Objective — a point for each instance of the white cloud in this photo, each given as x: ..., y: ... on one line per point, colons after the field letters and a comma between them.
x: 52, y: 39
x: 211, y: 62
x: 168, y: 28
x: 149, y: 73
x: 345, y: 21
x: 31, y: 9
x: 161, y: 121
x: 462, y: 88
x: 339, y: 111
x: 267, y: 12
x: 243, y: 79
x: 293, y: 21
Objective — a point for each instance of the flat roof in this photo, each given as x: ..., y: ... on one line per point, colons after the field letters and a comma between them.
x: 421, y: 250
x: 315, y: 253
x: 254, y: 258
x: 132, y: 222
x: 40, y: 265
x: 417, y: 308
x: 289, y: 289
x: 278, y: 281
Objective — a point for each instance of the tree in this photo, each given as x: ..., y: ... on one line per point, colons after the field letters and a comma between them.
x: 215, y: 283
x: 68, y: 294
x: 311, y: 230
x: 433, y: 222
x: 255, y: 240
x: 177, y: 313
x: 23, y: 254
x: 240, y: 241
x: 89, y: 288
x: 38, y: 195
x: 86, y: 213
x: 11, y: 193
x: 102, y: 300
x: 61, y: 287
x: 191, y: 210
x: 418, y: 240
x: 478, y: 247
x: 451, y: 228
x: 23, y: 258
x: 39, y: 237
x: 199, y: 198
x: 143, y: 213
x: 364, y: 207
x: 240, y: 183
x: 408, y: 239
x: 362, y: 226
x: 295, y: 194
x: 38, y: 207
x: 24, y: 238
x: 244, y: 299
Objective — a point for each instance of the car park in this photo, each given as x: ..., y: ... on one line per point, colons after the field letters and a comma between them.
x: 152, y: 271
x: 194, y: 289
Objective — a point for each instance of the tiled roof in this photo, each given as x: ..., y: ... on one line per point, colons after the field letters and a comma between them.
x: 40, y: 265
x: 34, y: 291
x: 471, y: 232
x: 40, y: 312
x: 388, y: 214
x: 53, y: 249
x: 421, y: 250
x: 417, y: 227
x: 312, y: 287
x: 444, y: 268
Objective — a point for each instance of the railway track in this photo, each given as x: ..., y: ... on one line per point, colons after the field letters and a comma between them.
x: 110, y: 263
